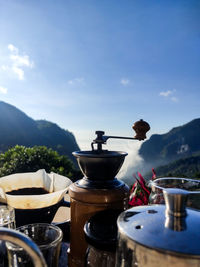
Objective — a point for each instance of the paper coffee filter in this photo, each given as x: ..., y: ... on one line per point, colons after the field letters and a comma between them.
x: 57, y: 186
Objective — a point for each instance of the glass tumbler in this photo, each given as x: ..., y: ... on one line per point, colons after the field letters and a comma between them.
x: 191, y: 185
x: 48, y: 238
x: 7, y: 219
x: 7, y: 216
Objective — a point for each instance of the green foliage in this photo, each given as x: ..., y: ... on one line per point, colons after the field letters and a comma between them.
x: 30, y: 159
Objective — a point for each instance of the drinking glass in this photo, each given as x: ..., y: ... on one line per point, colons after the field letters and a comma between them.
x: 7, y: 219
x: 7, y: 216
x: 48, y: 238
x: 191, y: 185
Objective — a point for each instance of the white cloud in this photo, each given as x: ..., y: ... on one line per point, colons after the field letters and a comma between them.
x: 3, y: 90
x: 17, y: 63
x: 21, y: 60
x: 12, y: 48
x: 170, y: 95
x: 166, y: 93
x: 19, y: 72
x: 76, y: 81
x: 124, y: 82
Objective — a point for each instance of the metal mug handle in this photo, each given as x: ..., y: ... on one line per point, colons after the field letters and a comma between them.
x: 65, y: 204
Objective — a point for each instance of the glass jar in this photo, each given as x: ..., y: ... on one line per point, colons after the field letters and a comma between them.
x: 98, y: 258
x: 101, y: 235
x: 190, y: 185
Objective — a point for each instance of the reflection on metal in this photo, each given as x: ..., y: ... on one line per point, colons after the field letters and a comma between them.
x: 175, y: 200
x: 175, y: 223
x: 128, y: 215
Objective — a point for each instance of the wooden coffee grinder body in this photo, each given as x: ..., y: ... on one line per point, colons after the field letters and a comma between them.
x: 85, y: 202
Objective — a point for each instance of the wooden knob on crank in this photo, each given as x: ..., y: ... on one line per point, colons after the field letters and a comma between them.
x: 141, y: 128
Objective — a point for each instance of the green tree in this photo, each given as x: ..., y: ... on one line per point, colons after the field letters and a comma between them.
x: 30, y: 159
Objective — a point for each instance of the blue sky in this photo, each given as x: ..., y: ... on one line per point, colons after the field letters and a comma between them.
x: 89, y: 64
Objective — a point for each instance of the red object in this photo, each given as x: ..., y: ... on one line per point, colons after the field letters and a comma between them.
x: 154, y: 174
x: 140, y: 192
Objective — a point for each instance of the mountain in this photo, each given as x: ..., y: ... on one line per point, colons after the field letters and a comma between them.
x: 16, y: 128
x: 185, y: 167
x: 180, y: 142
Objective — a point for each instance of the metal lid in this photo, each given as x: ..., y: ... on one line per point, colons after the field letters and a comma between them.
x: 171, y: 228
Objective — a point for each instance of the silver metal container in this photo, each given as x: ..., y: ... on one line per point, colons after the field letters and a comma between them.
x: 160, y: 235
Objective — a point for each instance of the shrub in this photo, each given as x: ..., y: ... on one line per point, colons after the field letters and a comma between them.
x: 30, y: 159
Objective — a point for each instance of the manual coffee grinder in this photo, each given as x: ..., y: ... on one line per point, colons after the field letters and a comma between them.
x: 98, y: 190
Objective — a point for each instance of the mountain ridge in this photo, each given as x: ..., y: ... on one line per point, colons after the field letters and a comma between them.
x: 179, y: 142
x: 17, y: 128
x: 173, y: 153
x: 185, y: 167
